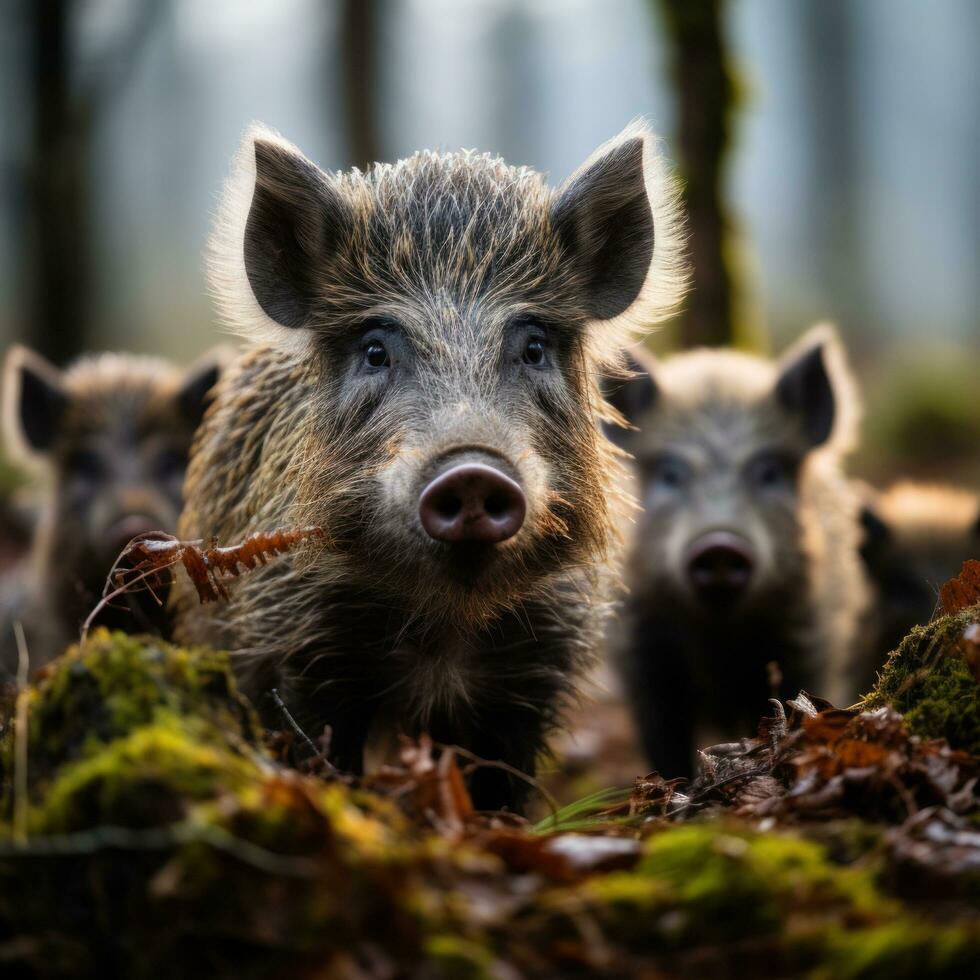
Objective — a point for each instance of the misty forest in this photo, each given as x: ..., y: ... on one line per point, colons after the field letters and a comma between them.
x: 554, y: 559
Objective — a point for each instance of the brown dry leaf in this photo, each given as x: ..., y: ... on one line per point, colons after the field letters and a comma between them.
x: 652, y: 793
x: 564, y: 857
x: 433, y: 786
x: 963, y: 591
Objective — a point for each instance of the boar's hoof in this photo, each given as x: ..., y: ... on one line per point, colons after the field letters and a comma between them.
x: 472, y: 502
x: 719, y: 566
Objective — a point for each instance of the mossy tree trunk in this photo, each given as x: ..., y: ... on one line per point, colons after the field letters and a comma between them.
x: 705, y: 109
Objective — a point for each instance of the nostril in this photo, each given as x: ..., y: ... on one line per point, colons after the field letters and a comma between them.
x: 496, y: 505
x: 448, y: 505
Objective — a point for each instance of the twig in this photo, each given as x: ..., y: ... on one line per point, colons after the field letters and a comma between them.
x: 303, y: 737
x: 704, y: 794
x: 106, y: 600
x: 506, y: 767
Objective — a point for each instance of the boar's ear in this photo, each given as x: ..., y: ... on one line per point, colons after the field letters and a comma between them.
x: 279, y: 225
x: 618, y: 218
x: 193, y: 396
x: 815, y: 384
x: 34, y: 401
x: 632, y: 394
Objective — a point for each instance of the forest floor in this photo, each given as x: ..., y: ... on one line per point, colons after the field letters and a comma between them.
x: 149, y: 826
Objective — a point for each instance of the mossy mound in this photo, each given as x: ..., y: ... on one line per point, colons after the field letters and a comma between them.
x: 157, y: 835
x: 928, y: 680
x: 720, y: 899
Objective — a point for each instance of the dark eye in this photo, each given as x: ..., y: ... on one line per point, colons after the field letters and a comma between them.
x: 670, y: 472
x: 376, y: 354
x: 84, y: 464
x: 770, y: 470
x: 534, y: 352
x: 170, y: 463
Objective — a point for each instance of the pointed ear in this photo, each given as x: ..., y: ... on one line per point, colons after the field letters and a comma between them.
x: 618, y: 218
x: 34, y: 402
x: 632, y: 394
x: 193, y: 397
x: 279, y: 225
x: 815, y: 384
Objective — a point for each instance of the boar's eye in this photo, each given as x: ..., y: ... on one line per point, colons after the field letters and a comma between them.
x: 534, y: 351
x: 84, y: 464
x: 534, y: 340
x: 377, y: 334
x: 669, y: 471
x: 376, y: 354
x: 169, y: 464
x: 770, y: 470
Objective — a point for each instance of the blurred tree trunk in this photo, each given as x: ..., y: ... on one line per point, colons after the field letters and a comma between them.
x: 359, y: 56
x: 833, y: 198
x: 706, y: 102
x: 59, y: 236
x: 65, y: 106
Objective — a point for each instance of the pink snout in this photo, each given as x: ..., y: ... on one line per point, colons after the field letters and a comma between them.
x: 472, y: 502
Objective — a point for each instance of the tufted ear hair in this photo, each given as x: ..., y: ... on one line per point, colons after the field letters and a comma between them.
x: 816, y: 385
x: 194, y: 394
x: 278, y: 228
x: 34, y: 400
x: 618, y: 216
x: 632, y: 394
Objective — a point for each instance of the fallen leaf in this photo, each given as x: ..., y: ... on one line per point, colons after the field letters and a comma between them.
x: 963, y: 591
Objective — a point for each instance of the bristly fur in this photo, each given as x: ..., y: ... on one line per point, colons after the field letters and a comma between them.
x: 690, y: 666
x: 383, y: 629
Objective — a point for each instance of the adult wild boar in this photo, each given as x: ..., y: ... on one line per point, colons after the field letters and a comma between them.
x: 426, y: 338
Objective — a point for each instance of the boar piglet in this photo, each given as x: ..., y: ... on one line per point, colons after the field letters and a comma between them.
x: 110, y: 437
x: 744, y: 574
x: 421, y: 385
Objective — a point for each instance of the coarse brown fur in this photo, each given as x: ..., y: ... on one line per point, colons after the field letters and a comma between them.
x: 451, y: 261
x: 109, y: 438
x: 719, y: 451
x: 916, y: 536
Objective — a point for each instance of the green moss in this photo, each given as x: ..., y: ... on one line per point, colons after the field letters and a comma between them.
x: 117, y: 683
x: 901, y: 950
x: 458, y: 958
x: 927, y: 680
x: 721, y: 885
x: 716, y: 897
x: 150, y: 776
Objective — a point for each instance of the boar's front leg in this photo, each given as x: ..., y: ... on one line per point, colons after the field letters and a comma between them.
x: 658, y: 671
x: 515, y: 737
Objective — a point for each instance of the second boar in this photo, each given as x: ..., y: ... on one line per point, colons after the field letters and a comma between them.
x: 744, y: 573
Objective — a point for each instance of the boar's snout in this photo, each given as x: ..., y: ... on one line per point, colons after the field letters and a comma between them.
x: 472, y: 502
x: 719, y: 567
